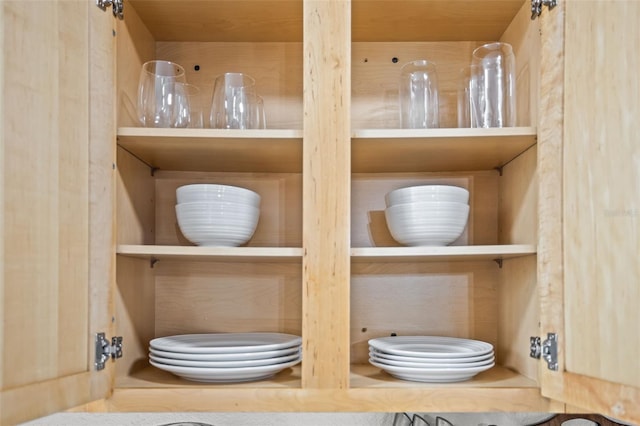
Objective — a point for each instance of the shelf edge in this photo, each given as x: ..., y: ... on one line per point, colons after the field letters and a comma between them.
x: 445, y: 133
x: 152, y: 132
x: 442, y: 254
x: 238, y: 254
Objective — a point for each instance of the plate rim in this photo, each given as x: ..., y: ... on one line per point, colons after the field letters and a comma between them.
x: 226, y: 356
x: 451, y: 366
x: 227, y: 363
x: 390, y: 344
x: 241, y: 373
x: 436, y: 371
x: 425, y: 359
x: 281, y: 341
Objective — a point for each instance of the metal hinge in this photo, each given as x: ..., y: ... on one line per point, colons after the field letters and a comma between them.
x: 106, y: 349
x: 118, y: 7
x: 547, y: 350
x: 536, y: 6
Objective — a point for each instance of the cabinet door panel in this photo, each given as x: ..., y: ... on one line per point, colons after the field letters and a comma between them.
x: 597, y: 259
x: 46, y: 225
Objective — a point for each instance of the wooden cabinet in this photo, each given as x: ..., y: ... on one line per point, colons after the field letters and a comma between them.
x: 322, y: 263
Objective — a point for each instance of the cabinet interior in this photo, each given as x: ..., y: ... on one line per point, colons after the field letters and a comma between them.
x: 166, y: 287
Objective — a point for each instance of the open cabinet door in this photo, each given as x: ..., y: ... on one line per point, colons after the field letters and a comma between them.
x: 56, y: 188
x: 589, y: 254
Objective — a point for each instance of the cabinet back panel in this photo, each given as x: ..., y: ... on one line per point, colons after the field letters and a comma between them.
x: 455, y: 299
x: 374, y: 80
x: 368, y: 223
x: 276, y: 67
x: 280, y: 223
x: 200, y: 297
x: 375, y: 74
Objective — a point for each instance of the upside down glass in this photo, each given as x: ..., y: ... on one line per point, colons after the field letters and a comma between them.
x: 258, y: 117
x: 157, y: 93
x: 467, y: 92
x: 234, y: 96
x: 495, y: 102
x: 419, y: 95
x: 189, y: 114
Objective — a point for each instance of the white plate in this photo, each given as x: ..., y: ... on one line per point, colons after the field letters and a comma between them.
x: 431, y: 375
x: 217, y: 343
x: 225, y: 375
x: 226, y: 364
x: 226, y: 357
x: 385, y: 356
x: 431, y: 346
x: 429, y: 365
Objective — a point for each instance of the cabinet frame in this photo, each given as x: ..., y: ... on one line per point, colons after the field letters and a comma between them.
x: 324, y: 156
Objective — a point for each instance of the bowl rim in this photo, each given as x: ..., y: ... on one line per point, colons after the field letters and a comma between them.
x: 192, y: 189
x: 406, y: 194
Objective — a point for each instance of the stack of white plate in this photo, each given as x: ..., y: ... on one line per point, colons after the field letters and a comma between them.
x: 427, y: 215
x: 225, y: 357
x: 431, y: 358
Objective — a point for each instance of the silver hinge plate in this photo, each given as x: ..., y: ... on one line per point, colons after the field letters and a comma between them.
x: 547, y: 350
x: 106, y: 349
x: 536, y: 6
x: 118, y: 7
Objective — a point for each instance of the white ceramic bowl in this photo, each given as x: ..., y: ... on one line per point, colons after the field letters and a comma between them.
x: 217, y: 224
x: 435, y: 223
x: 421, y: 193
x: 215, y: 192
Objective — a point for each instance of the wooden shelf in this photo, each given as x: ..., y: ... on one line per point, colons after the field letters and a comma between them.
x: 369, y: 376
x: 149, y: 389
x: 362, y: 376
x: 217, y: 254
x: 440, y: 254
x: 223, y: 150
x: 437, y: 150
x: 358, y: 254
x: 281, y: 21
x: 147, y: 376
x: 280, y: 150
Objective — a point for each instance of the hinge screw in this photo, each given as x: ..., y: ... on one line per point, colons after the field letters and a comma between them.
x: 536, y: 7
x: 117, y: 5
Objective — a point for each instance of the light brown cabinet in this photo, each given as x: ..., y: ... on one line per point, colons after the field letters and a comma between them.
x: 551, y: 244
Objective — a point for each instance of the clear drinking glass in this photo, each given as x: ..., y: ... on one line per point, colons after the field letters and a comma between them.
x: 496, y: 100
x: 258, y: 117
x: 467, y: 93
x: 157, y: 105
x: 231, y: 106
x: 188, y: 113
x: 419, y: 95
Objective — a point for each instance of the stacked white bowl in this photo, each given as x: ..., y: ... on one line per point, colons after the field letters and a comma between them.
x: 427, y: 215
x: 217, y: 215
